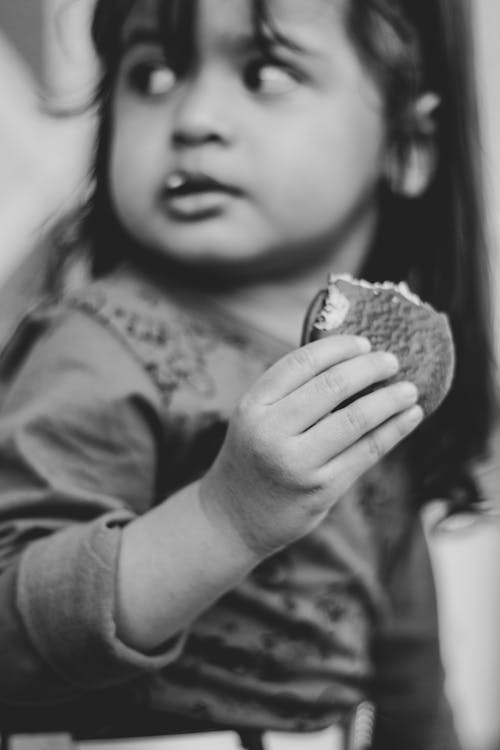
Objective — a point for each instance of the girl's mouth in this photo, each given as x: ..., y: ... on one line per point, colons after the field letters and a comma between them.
x: 192, y: 196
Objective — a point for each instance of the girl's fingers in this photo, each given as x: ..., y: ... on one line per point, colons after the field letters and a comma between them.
x: 368, y: 451
x: 299, y: 366
x: 314, y: 400
x: 337, y: 432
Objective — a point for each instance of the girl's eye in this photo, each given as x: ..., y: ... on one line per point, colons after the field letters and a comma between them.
x: 151, y: 79
x: 271, y: 78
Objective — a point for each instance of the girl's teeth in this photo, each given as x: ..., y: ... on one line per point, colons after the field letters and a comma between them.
x: 176, y: 181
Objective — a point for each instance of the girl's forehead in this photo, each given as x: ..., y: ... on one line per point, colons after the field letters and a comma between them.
x: 235, y: 13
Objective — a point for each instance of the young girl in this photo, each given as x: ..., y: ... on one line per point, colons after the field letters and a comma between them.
x: 193, y: 536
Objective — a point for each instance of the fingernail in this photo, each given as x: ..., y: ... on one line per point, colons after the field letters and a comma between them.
x: 364, y: 344
x: 414, y: 415
x: 390, y: 361
x: 407, y: 392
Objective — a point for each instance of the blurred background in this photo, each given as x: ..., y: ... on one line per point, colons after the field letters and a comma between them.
x: 47, y: 72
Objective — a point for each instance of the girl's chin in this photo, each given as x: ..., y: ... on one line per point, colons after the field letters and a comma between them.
x: 225, y: 261
x: 208, y: 248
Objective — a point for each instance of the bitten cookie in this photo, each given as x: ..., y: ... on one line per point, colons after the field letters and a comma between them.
x: 393, y: 319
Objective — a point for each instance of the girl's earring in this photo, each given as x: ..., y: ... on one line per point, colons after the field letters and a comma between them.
x: 409, y: 175
x: 411, y: 178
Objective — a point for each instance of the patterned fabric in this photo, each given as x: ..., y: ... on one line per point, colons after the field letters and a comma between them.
x: 296, y: 646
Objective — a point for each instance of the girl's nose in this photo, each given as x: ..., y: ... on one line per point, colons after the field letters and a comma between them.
x: 203, y: 113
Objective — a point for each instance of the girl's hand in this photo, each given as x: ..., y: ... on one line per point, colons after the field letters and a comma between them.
x: 290, y: 452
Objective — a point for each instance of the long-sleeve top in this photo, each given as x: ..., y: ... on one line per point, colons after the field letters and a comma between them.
x: 113, y: 398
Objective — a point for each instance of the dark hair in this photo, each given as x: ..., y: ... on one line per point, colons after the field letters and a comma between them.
x: 435, y: 242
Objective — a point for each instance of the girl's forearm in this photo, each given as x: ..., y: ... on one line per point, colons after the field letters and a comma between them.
x: 175, y: 561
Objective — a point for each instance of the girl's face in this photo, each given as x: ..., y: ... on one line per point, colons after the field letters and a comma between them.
x: 253, y: 157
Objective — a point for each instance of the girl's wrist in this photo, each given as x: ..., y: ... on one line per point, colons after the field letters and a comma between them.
x: 175, y: 561
x: 225, y: 532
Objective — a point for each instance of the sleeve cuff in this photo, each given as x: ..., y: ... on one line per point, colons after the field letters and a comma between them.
x: 75, y: 633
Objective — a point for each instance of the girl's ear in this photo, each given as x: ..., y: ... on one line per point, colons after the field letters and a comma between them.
x: 410, y: 172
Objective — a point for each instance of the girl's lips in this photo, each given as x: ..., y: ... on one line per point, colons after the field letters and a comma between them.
x: 183, y: 181
x: 197, y: 205
x: 190, y: 196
